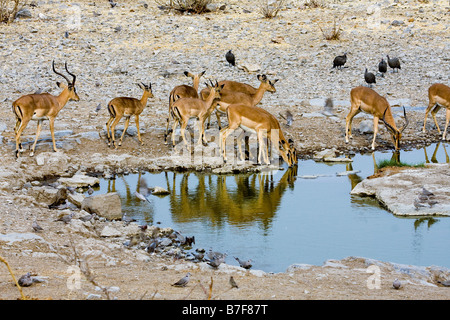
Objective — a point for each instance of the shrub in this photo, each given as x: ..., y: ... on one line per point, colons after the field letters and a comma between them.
x: 332, y: 33
x: 270, y: 8
x: 9, y: 9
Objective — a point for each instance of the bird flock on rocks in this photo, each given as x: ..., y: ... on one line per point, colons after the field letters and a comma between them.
x: 425, y: 199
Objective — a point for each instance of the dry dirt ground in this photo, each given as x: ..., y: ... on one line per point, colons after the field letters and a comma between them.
x: 108, y: 62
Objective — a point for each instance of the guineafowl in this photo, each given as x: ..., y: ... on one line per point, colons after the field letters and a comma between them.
x: 394, y: 63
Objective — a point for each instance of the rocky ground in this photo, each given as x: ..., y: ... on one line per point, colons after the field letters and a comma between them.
x: 110, y: 49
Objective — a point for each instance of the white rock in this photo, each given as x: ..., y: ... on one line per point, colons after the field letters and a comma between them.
x: 15, y: 236
x: 109, y: 231
x: 79, y: 180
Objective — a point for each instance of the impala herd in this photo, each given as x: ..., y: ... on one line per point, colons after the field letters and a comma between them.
x: 238, y: 101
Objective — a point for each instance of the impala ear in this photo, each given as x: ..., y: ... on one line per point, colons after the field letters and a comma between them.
x: 201, y: 74
x: 61, y: 85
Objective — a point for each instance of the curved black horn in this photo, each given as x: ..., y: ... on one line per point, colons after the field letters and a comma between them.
x: 406, y: 120
x: 387, y: 124
x: 60, y: 74
x: 73, y: 76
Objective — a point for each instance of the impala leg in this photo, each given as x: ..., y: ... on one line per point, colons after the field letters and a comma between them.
x: 375, y: 131
x: 174, y: 127
x: 138, y: 130
x: 433, y: 114
x: 430, y: 106
x: 52, y: 131
x: 266, y: 145
x: 447, y: 120
x: 38, y: 132
x: 167, y: 127
x: 108, y: 129
x: 225, y: 132
x: 22, y: 126
x: 209, y: 121
x: 348, y: 123
x: 218, y: 119
x: 127, y: 122
x: 201, y: 128
x: 16, y: 128
x: 182, y: 131
x: 260, y: 144
x: 239, y: 142
x: 113, y: 130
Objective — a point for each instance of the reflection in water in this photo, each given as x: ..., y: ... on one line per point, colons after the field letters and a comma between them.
x: 429, y: 220
x: 433, y: 157
x: 244, y: 199
x: 280, y: 220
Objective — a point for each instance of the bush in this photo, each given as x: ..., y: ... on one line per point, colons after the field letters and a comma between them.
x: 9, y: 9
x: 191, y: 6
x: 332, y: 33
x: 270, y: 8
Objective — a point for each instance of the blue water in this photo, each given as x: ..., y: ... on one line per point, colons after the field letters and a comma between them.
x: 281, y: 218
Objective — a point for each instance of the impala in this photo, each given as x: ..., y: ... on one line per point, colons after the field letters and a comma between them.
x: 261, y: 122
x: 183, y: 91
x: 367, y: 100
x: 126, y: 107
x: 439, y: 96
x: 40, y: 107
x: 235, y: 92
x: 184, y: 109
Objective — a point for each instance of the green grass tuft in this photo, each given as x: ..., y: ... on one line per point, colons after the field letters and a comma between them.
x: 395, y: 163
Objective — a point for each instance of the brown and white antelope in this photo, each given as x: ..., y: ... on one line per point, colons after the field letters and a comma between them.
x: 369, y: 101
x: 126, y: 107
x: 184, y: 109
x: 259, y: 121
x: 40, y: 107
x: 183, y: 91
x: 236, y: 92
x: 438, y: 96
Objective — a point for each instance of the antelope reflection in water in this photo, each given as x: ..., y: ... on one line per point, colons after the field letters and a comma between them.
x: 252, y: 197
x: 433, y: 157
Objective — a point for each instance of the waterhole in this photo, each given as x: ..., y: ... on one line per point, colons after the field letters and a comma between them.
x: 304, y: 215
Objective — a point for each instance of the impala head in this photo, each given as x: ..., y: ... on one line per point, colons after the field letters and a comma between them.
x: 70, y: 84
x: 269, y: 85
x: 193, y: 76
x: 396, y: 133
x: 216, y: 88
x: 288, y: 152
x: 146, y: 88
